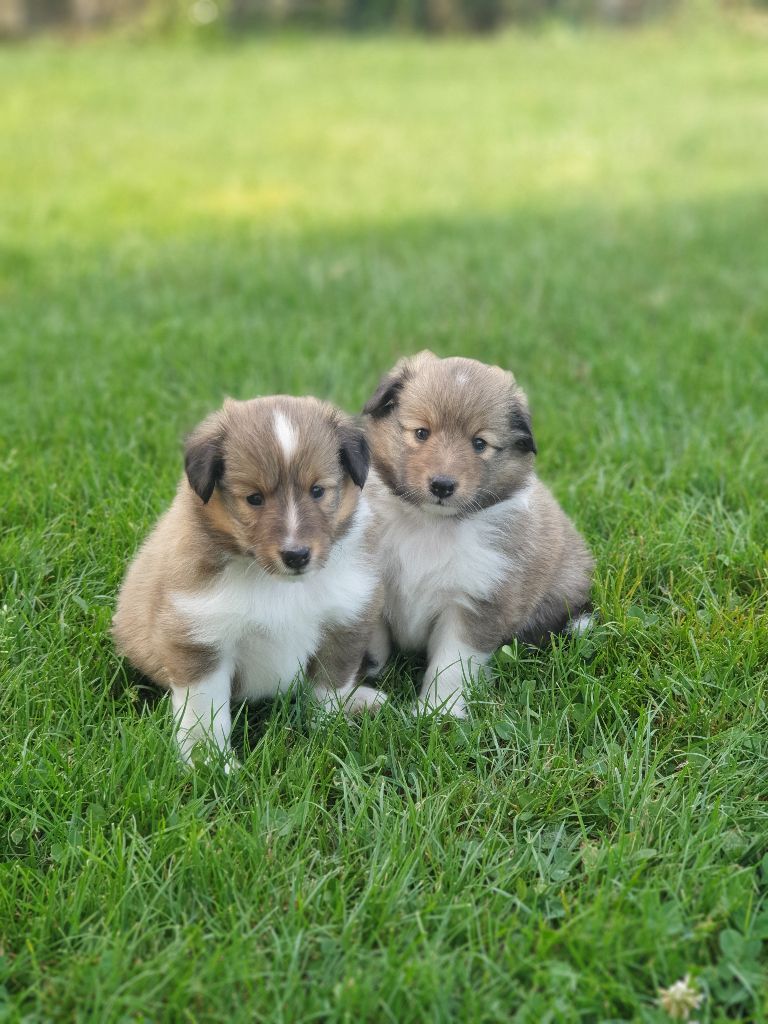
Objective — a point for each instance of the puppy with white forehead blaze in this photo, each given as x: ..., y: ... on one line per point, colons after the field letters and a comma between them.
x: 263, y: 567
x: 475, y: 550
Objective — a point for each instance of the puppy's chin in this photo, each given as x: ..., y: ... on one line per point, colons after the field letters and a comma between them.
x: 432, y: 508
x: 293, y: 574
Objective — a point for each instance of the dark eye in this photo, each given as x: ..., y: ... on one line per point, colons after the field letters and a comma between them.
x: 317, y: 492
x: 479, y: 444
x: 422, y: 434
x: 255, y: 499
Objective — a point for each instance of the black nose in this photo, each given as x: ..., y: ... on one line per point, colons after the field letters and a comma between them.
x: 442, y: 486
x: 296, y: 558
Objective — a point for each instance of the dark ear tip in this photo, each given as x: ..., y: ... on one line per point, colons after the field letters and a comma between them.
x: 366, y: 455
x: 381, y: 404
x: 203, y: 463
x: 520, y: 422
x: 355, y: 454
x: 384, y: 399
x: 203, y: 489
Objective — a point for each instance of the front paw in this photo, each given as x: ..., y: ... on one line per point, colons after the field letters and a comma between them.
x: 351, y: 701
x: 365, y: 698
x: 378, y: 651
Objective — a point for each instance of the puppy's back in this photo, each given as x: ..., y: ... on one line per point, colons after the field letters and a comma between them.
x: 554, y: 567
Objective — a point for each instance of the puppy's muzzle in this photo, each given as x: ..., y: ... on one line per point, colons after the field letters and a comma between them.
x: 296, y: 558
x: 442, y: 486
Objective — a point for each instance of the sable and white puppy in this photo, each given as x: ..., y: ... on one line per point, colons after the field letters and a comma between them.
x: 475, y: 550
x: 262, y: 568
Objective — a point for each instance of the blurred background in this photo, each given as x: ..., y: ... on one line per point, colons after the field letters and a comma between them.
x: 202, y: 197
x: 431, y: 16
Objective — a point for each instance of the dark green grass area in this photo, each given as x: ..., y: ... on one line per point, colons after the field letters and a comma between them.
x: 590, y: 210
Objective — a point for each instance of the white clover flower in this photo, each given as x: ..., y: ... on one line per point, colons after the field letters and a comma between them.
x: 679, y: 999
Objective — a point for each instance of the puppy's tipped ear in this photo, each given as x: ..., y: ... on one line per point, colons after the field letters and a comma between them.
x: 354, y: 453
x: 204, y: 457
x: 520, y: 421
x: 385, y: 398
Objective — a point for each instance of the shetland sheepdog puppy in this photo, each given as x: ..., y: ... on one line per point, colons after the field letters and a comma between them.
x: 262, y: 569
x: 474, y: 549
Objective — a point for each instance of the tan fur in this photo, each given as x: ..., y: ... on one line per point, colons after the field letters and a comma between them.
x: 551, y: 582
x: 456, y: 400
x: 255, y: 464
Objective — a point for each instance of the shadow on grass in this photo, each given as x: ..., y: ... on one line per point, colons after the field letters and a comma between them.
x: 644, y: 300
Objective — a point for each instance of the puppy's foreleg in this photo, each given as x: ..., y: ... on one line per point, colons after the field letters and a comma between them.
x: 336, y: 669
x: 378, y: 649
x: 202, y: 711
x: 452, y: 663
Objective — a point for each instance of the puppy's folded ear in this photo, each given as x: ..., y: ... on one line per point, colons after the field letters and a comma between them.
x: 384, y: 399
x: 204, y: 457
x: 354, y: 454
x: 520, y: 421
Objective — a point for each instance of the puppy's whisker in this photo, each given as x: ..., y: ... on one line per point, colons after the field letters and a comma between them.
x: 470, y: 509
x: 410, y: 494
x: 489, y: 492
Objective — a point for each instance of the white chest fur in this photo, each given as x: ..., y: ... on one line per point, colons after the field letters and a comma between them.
x: 270, y: 626
x: 431, y: 563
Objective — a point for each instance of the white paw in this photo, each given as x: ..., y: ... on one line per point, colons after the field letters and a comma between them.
x: 583, y: 624
x: 365, y: 698
x: 352, y: 701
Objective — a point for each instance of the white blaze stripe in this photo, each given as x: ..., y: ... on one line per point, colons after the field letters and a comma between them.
x: 291, y: 525
x: 286, y: 434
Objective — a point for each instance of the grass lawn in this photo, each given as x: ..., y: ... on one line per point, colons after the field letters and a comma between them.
x: 181, y: 223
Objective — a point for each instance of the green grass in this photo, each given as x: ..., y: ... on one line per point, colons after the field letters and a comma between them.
x: 178, y: 224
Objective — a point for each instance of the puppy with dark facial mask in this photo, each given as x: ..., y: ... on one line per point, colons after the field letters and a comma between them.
x: 263, y: 567
x: 475, y: 550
